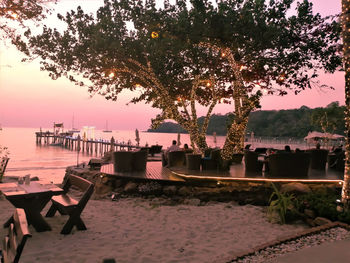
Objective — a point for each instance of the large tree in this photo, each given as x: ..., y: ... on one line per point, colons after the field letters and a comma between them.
x: 178, y: 57
x: 15, y: 13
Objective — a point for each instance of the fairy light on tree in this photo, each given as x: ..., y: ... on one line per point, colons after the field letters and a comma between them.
x: 345, y: 20
x: 154, y: 34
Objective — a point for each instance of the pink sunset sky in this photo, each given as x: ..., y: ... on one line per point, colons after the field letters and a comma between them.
x: 29, y: 98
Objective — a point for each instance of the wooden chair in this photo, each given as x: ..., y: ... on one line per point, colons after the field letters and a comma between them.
x: 66, y: 205
x: 193, y: 161
x: 251, y: 162
x: 318, y: 158
x: 176, y: 158
x: 18, y: 234
x: 139, y: 160
x: 3, y: 164
x: 122, y: 161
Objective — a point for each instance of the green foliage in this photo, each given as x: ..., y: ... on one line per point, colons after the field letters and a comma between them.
x: 260, y: 34
x: 4, y: 152
x: 168, y: 127
x: 284, y: 123
x: 15, y: 14
x: 280, y: 204
x: 329, y: 119
x: 294, y: 123
x: 324, y: 204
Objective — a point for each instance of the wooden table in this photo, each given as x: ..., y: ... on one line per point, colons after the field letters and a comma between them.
x: 32, y: 198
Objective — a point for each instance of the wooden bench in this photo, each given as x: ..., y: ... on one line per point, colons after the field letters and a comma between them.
x: 18, y: 234
x: 66, y: 205
x: 3, y: 164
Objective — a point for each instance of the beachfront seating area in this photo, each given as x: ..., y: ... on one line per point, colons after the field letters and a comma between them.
x: 66, y: 205
x: 18, y: 234
x: 259, y: 162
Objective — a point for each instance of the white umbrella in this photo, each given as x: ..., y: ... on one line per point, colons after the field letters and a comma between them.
x: 178, y: 139
x: 334, y: 136
x: 319, y: 135
x: 314, y: 135
x: 137, y: 135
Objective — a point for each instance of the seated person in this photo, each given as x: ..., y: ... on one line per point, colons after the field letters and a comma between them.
x: 338, y: 149
x: 172, y: 148
x: 187, y: 149
x: 269, y: 151
x: 287, y: 149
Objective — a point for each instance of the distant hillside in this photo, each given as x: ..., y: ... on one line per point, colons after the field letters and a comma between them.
x: 168, y: 127
x: 273, y: 123
x: 217, y: 123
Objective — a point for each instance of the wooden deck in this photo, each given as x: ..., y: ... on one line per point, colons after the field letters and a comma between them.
x: 155, y: 171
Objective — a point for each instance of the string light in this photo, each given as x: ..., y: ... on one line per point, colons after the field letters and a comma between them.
x: 346, y: 59
x: 177, y: 109
x: 242, y: 67
x: 244, y: 104
x: 154, y: 34
x: 13, y: 15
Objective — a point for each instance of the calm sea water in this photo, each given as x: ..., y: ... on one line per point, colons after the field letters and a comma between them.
x: 50, y: 162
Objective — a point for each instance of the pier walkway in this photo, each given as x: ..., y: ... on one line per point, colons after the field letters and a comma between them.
x: 88, y: 146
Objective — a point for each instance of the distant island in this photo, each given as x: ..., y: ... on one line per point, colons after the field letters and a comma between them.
x: 275, y: 123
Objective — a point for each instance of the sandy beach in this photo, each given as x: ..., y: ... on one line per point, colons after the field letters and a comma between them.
x: 141, y: 230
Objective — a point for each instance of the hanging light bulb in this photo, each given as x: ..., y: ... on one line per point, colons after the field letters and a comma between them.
x: 242, y: 67
x: 154, y: 34
x: 281, y: 78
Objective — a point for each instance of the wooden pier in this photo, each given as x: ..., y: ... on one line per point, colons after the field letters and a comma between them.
x: 87, y: 146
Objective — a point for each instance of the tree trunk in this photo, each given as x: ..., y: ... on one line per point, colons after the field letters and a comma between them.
x: 234, y: 142
x: 346, y: 56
